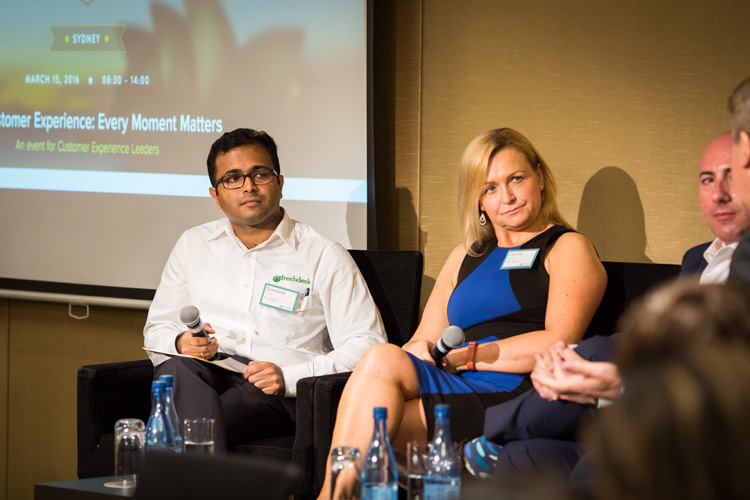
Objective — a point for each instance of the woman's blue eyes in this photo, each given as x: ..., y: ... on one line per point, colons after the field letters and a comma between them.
x: 493, y: 188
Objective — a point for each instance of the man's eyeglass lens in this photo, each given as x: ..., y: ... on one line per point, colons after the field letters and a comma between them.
x: 259, y: 178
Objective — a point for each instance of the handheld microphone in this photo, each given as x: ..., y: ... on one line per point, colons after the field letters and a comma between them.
x: 192, y: 319
x: 452, y: 338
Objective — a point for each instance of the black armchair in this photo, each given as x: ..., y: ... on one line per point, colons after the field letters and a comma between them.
x: 110, y: 391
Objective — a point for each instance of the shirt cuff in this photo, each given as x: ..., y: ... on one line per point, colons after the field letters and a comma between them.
x: 604, y: 402
x: 292, y: 374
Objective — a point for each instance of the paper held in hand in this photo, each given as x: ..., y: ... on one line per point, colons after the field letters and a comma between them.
x: 227, y: 363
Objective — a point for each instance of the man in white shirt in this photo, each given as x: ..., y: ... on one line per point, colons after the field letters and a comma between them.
x: 727, y: 219
x: 273, y: 293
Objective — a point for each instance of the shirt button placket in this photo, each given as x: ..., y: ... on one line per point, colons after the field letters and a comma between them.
x: 247, y: 274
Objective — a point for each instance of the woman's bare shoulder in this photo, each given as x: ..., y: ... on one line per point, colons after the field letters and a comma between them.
x: 573, y: 251
x: 573, y: 242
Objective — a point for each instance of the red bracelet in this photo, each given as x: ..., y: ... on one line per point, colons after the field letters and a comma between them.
x: 470, y: 354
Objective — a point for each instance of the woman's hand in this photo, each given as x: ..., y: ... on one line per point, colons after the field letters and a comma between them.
x: 454, y: 361
x: 420, y: 349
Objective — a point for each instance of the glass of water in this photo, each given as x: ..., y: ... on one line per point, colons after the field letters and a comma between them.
x: 199, y: 436
x: 417, y: 457
x: 345, y: 464
x: 130, y: 439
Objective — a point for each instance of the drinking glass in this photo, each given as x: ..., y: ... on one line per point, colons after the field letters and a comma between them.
x: 130, y: 438
x: 199, y: 436
x: 345, y: 463
x: 417, y: 458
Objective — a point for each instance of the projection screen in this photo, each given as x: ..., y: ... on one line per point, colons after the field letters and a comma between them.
x: 108, y: 109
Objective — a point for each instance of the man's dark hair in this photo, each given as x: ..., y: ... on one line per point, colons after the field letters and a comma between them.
x: 237, y: 138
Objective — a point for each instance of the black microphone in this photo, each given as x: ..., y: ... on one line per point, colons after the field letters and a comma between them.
x: 452, y: 338
x: 192, y: 319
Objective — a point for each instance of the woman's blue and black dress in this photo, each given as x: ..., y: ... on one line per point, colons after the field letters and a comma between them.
x: 490, y: 302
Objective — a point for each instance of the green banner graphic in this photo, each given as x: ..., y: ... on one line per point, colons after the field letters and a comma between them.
x: 97, y: 38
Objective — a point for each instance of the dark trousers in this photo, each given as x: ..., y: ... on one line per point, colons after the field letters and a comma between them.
x: 553, y: 458
x: 539, y: 435
x: 242, y: 411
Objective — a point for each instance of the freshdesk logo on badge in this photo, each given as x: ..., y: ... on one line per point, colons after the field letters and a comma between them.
x: 296, y: 279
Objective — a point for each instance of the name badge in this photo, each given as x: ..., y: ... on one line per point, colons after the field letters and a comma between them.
x: 519, y: 259
x: 279, y: 298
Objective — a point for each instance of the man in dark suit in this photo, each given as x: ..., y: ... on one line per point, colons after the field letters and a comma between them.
x: 739, y: 107
x: 726, y: 217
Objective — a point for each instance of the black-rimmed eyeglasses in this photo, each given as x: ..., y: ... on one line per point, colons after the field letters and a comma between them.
x: 235, y: 180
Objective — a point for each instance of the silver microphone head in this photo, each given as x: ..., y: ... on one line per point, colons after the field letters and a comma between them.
x: 190, y: 316
x: 453, y: 337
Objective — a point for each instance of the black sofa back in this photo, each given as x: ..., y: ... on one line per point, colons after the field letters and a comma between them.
x: 626, y: 281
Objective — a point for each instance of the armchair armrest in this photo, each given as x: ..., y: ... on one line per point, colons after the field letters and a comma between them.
x: 303, y: 449
x: 106, y: 393
x: 326, y: 397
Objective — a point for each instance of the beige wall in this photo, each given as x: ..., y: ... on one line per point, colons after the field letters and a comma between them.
x: 3, y: 397
x: 619, y: 97
x: 45, y: 348
x: 396, y: 70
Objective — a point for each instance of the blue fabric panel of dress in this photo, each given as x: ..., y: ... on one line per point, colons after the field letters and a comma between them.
x: 484, y: 294
x: 433, y: 380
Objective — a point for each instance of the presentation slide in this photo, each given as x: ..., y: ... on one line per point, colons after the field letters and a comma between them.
x: 108, y: 109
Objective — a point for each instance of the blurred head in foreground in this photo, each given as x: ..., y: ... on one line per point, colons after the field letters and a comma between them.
x: 680, y: 428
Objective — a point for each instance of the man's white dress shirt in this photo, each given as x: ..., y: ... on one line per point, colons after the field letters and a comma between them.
x: 718, y: 256
x: 297, y: 300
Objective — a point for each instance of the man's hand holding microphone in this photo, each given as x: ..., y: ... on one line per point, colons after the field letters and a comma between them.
x: 196, y: 342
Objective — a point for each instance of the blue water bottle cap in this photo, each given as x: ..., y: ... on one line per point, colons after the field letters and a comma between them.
x: 380, y: 412
x: 158, y: 386
x: 167, y: 380
x: 442, y: 411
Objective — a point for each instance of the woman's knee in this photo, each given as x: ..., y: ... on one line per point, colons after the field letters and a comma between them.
x: 380, y: 355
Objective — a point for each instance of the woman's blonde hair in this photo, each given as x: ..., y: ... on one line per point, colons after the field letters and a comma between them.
x: 472, y: 173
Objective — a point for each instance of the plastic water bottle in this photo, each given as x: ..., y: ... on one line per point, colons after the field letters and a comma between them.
x: 443, y: 478
x: 379, y: 474
x: 173, y: 421
x: 158, y: 434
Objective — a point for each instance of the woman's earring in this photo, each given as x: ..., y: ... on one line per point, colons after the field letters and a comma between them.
x: 482, y: 218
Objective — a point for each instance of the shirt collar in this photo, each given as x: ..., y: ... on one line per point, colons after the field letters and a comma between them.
x: 223, y: 228
x: 714, y: 248
x: 284, y: 231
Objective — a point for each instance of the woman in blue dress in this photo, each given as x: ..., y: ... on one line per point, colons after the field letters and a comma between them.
x: 521, y: 281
